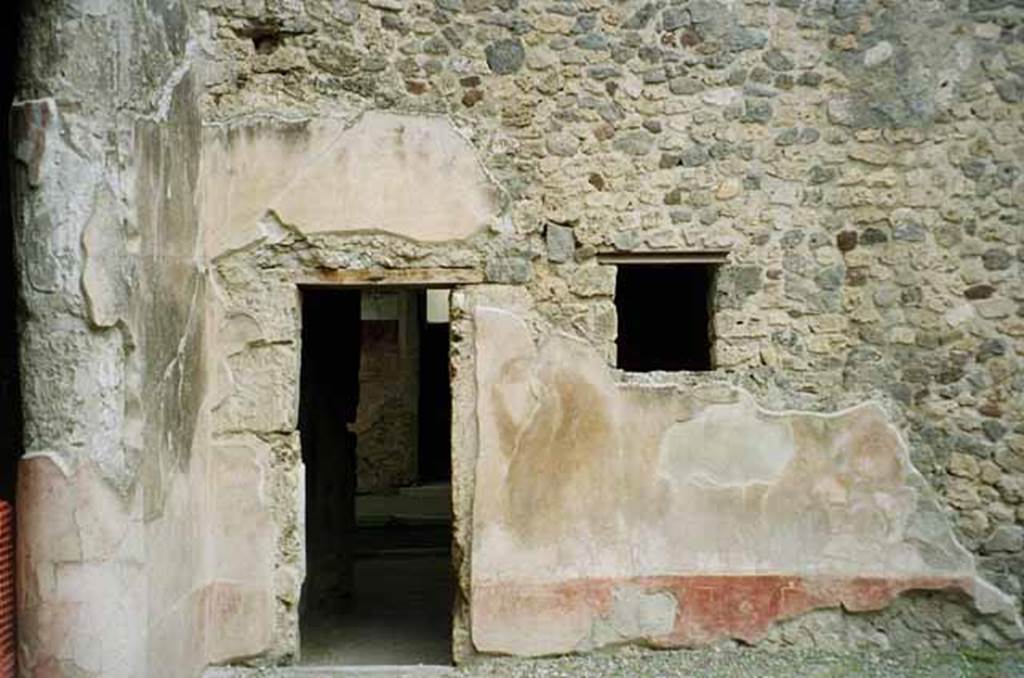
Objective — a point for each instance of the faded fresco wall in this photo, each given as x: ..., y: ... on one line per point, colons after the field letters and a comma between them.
x: 860, y: 161
x: 608, y: 512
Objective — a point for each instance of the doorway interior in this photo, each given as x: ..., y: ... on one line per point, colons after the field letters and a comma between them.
x: 375, y: 423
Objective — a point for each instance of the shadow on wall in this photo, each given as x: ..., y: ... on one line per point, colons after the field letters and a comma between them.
x: 10, y: 409
x: 10, y: 398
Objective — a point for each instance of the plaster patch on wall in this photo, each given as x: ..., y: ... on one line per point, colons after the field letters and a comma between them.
x: 239, y: 600
x: 587, y: 488
x: 106, y: 268
x: 81, y: 573
x: 412, y: 176
x: 690, y: 450
x: 263, y: 389
x: 635, y: 613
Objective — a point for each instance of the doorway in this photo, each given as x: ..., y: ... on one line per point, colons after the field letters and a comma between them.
x: 375, y: 424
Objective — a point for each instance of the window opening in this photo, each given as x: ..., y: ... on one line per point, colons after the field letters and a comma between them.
x: 664, y: 316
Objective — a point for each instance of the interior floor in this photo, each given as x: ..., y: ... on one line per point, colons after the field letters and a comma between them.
x: 399, y: 609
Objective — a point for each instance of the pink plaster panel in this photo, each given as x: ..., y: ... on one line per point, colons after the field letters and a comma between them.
x: 559, y: 617
x: 81, y: 580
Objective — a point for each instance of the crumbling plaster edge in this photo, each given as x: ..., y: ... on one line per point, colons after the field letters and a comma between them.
x: 61, y: 460
x: 465, y: 454
x: 171, y: 82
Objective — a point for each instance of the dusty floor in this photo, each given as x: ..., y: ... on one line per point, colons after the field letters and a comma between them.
x: 398, y: 616
x: 400, y: 609
x: 697, y: 663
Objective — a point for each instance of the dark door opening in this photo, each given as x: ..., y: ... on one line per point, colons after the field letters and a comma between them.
x: 375, y: 418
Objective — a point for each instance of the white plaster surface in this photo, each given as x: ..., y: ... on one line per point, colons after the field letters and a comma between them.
x: 412, y: 176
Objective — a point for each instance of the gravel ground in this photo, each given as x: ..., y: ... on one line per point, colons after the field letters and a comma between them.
x: 702, y: 663
x: 726, y: 664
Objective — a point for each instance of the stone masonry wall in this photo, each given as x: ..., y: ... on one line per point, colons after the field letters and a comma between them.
x: 182, y: 167
x: 860, y: 159
x: 387, y: 416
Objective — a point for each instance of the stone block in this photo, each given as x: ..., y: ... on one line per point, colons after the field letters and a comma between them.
x: 561, y: 243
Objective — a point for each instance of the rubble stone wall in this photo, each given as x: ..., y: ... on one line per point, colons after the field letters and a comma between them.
x: 386, y: 422
x: 860, y: 161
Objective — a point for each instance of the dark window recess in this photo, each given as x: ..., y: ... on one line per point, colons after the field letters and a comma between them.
x: 664, y: 316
